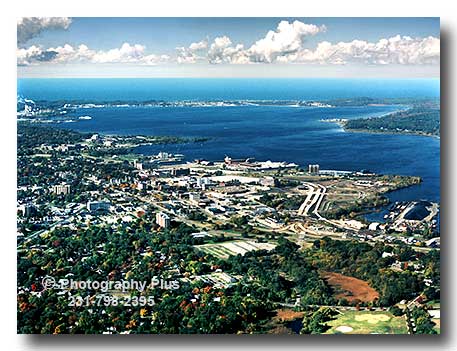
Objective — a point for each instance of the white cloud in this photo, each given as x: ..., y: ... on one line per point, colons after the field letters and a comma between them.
x: 185, y: 56
x: 222, y: 51
x: 402, y: 50
x: 286, y: 45
x: 25, y: 56
x: 125, y: 54
x: 191, y: 54
x: 287, y: 39
x: 68, y: 54
x: 201, y: 45
x: 394, y: 50
x: 29, y: 27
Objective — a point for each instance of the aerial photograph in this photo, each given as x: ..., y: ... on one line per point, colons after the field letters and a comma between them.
x: 228, y: 175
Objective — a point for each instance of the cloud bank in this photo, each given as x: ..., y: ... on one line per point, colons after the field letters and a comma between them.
x: 82, y: 54
x: 287, y: 44
x: 394, y: 50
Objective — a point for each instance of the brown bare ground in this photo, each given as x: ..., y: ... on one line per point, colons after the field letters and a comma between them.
x: 287, y: 315
x: 279, y: 324
x: 350, y: 288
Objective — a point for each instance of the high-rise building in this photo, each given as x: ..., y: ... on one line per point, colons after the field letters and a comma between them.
x: 313, y: 169
x: 163, y: 220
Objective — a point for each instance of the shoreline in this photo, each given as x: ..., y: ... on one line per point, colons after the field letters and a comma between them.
x: 391, y: 132
x: 343, y: 121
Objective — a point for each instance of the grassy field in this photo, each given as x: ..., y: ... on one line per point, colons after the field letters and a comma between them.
x: 365, y: 322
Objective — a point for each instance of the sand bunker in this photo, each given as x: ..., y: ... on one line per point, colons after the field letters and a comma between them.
x: 372, y: 318
x: 344, y: 329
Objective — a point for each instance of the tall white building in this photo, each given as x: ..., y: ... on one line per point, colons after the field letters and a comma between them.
x: 163, y: 220
x: 313, y: 169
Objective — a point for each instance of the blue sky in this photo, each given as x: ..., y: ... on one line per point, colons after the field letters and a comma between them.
x: 163, y: 47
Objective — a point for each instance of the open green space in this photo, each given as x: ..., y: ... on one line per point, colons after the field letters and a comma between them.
x: 367, y: 322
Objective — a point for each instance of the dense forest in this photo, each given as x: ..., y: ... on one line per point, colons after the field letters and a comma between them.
x: 419, y: 120
x: 140, y: 251
x: 30, y: 136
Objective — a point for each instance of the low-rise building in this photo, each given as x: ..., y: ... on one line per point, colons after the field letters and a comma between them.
x: 61, y: 189
x: 269, y: 181
x: 178, y: 172
x: 352, y: 223
x: 27, y: 210
x: 374, y: 226
x: 98, y: 206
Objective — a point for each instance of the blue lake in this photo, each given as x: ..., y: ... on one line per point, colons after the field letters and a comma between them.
x: 286, y: 133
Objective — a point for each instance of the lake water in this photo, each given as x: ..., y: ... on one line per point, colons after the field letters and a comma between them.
x: 277, y: 133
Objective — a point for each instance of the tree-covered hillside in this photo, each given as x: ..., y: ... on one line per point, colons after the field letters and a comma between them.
x: 417, y: 120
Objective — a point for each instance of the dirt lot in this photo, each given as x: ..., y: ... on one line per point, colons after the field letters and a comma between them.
x: 287, y: 315
x: 350, y: 288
